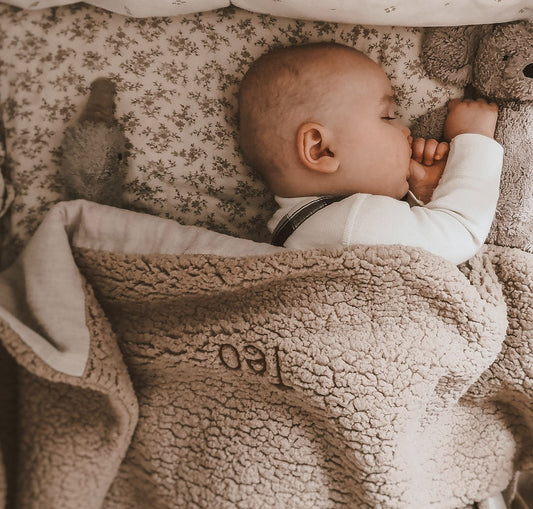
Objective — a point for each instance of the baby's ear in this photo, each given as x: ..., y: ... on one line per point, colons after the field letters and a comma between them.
x: 448, y: 53
x: 314, y: 148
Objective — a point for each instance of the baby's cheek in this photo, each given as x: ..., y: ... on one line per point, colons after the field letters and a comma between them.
x: 403, y: 160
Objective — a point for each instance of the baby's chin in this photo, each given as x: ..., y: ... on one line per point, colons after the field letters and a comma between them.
x: 398, y: 192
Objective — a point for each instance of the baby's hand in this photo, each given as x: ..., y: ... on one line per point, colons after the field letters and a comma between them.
x: 469, y: 116
x: 426, y: 152
x: 426, y: 167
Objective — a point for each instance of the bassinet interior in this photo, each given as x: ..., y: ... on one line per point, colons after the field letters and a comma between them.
x: 177, y: 66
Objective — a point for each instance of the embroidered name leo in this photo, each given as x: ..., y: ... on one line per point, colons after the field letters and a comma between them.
x: 253, y: 360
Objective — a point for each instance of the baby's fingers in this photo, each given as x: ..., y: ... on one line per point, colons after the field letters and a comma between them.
x: 429, y: 151
x: 442, y: 151
x: 418, y: 149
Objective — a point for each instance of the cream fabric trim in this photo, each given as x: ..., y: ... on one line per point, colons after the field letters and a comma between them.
x: 371, y: 12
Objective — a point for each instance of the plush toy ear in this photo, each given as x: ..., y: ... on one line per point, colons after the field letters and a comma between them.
x: 448, y: 53
x: 504, y: 62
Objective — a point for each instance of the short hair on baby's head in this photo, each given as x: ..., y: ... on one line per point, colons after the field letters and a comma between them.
x: 281, y: 90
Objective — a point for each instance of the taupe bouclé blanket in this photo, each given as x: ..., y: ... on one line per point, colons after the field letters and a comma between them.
x: 254, y: 377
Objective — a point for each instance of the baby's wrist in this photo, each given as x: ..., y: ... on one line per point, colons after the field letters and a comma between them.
x: 451, y: 136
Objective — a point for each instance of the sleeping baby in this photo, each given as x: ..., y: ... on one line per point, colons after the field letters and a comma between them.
x: 318, y: 123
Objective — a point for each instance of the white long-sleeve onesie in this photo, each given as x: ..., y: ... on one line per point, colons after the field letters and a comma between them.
x: 454, y: 224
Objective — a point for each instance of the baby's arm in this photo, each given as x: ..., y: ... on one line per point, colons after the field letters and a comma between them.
x: 455, y: 223
x: 429, y: 156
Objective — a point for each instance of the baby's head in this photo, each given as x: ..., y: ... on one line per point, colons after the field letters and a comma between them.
x: 319, y: 119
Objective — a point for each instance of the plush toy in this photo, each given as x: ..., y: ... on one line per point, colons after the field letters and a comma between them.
x: 93, y: 163
x: 494, y: 62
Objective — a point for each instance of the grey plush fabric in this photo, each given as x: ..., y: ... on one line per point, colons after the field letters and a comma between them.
x: 494, y: 62
x: 363, y: 377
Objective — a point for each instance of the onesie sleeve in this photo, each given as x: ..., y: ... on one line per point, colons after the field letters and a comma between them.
x: 455, y: 223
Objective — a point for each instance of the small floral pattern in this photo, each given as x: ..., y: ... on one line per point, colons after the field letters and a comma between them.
x: 177, y: 81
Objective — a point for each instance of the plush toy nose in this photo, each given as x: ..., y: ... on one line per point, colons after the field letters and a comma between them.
x: 528, y: 71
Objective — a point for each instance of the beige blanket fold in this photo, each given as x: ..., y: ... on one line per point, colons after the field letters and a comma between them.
x: 73, y: 432
x: 246, y: 376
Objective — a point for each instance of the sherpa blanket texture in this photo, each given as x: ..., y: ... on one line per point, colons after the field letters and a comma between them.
x: 368, y: 377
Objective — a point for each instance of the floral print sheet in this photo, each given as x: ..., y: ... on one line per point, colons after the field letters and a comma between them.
x: 177, y: 80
